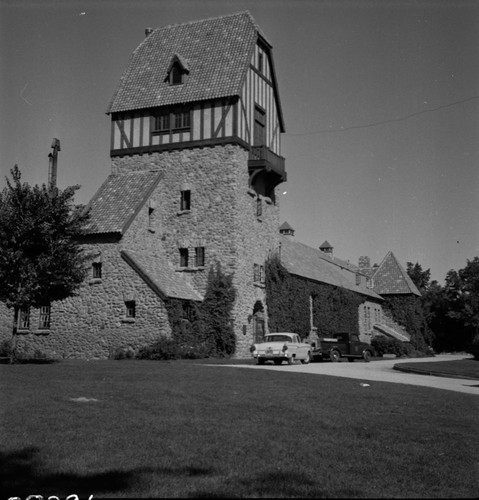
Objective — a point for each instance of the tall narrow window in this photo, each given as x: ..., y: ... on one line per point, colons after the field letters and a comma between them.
x: 96, y: 270
x: 260, y: 62
x: 199, y: 256
x: 185, y: 203
x: 259, y: 207
x: 183, y: 257
x: 259, y: 130
x: 130, y: 309
x: 176, y: 75
x: 256, y: 273
x: 162, y: 121
x: 24, y: 318
x: 261, y: 274
x: 182, y: 119
x: 44, y: 322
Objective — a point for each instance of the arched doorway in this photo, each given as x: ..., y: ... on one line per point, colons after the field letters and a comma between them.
x: 258, y: 322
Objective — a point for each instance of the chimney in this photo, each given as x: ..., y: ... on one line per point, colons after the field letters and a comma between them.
x: 286, y: 230
x: 327, y: 248
x: 52, y: 164
x: 364, y: 262
x: 148, y: 32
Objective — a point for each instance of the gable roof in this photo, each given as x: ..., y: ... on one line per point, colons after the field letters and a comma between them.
x: 217, y: 53
x: 342, y: 264
x: 307, y: 262
x: 118, y: 200
x: 391, y: 278
x: 160, y: 276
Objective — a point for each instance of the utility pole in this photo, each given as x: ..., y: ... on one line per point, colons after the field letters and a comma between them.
x: 52, y: 164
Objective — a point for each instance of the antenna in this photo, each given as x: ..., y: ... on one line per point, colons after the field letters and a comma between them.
x: 52, y: 164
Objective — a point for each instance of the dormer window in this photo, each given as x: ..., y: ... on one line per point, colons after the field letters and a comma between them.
x: 177, y: 70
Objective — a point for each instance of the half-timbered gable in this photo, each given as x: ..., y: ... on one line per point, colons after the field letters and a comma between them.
x: 204, y: 83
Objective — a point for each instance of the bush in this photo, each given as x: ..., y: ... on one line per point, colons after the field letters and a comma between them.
x: 167, y: 348
x: 386, y: 345
x: 122, y: 353
x: 5, y: 349
x: 474, y: 348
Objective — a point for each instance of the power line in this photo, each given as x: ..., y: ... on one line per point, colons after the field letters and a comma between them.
x: 383, y: 122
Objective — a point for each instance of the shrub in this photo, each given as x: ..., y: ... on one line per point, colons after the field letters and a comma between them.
x: 474, y: 348
x: 386, y: 345
x: 164, y: 348
x: 5, y: 349
x: 122, y: 353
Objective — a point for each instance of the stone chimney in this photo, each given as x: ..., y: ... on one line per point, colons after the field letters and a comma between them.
x: 286, y: 230
x: 52, y: 164
x: 326, y: 248
x: 364, y: 262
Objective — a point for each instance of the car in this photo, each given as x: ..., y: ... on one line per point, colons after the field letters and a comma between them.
x: 282, y: 346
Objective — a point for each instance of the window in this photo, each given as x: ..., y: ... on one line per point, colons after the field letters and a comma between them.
x: 188, y: 311
x: 200, y: 256
x: 162, y: 121
x: 259, y: 207
x: 176, y: 75
x: 24, y: 318
x: 96, y: 270
x: 256, y: 273
x: 130, y: 308
x: 44, y: 322
x: 185, y: 202
x: 261, y: 274
x: 167, y: 121
x: 183, y: 257
x: 260, y: 62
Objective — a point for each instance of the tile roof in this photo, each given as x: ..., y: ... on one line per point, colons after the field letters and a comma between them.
x: 118, y: 200
x: 343, y: 264
x: 307, y: 262
x: 160, y: 276
x: 391, y: 278
x: 216, y: 51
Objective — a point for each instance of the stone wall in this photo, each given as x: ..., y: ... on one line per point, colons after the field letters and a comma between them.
x: 222, y: 219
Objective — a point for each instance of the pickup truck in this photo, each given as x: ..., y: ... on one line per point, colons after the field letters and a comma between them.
x: 342, y: 345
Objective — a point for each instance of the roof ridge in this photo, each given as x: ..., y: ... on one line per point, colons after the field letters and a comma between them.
x: 224, y: 16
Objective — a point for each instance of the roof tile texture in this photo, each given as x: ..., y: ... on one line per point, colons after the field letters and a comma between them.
x: 217, y: 51
x: 118, y: 200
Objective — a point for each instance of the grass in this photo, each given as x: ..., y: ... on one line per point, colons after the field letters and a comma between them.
x: 186, y: 429
x: 460, y: 368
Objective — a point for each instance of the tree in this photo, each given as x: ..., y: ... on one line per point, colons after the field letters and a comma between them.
x: 419, y: 277
x: 462, y: 288
x: 216, y: 311
x: 41, y: 260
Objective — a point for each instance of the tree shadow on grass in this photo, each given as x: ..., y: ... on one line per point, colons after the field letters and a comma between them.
x: 22, y: 475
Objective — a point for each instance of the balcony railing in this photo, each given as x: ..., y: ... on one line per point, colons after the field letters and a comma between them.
x: 262, y: 157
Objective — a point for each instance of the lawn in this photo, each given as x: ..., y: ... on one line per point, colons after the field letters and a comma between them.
x: 183, y: 429
x: 461, y: 368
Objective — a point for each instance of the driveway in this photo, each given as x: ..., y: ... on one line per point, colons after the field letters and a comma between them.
x: 380, y: 371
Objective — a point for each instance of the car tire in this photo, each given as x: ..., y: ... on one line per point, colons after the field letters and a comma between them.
x: 261, y: 361
x: 367, y: 356
x: 277, y: 361
x: 334, y: 356
x: 307, y: 360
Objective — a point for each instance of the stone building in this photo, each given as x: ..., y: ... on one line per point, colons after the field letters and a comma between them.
x: 196, y: 125
x: 195, y: 159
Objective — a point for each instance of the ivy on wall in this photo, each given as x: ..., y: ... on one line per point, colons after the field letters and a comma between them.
x: 206, y: 328
x: 408, y: 312
x: 288, y: 298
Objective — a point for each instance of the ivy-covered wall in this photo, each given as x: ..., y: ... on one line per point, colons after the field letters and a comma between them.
x: 408, y: 312
x: 289, y: 299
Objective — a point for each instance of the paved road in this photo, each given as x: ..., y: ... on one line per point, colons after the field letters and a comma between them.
x: 380, y: 371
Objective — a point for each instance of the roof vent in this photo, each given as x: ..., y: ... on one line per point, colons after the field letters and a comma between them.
x: 148, y: 32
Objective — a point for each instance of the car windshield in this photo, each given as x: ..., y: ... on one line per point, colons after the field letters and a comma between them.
x: 277, y: 338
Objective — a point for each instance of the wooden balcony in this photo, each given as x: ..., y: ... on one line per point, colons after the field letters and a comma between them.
x: 262, y: 158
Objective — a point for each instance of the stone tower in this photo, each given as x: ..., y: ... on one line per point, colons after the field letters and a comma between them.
x: 199, y: 103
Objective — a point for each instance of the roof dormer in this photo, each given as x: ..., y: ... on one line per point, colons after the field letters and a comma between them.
x: 177, y: 70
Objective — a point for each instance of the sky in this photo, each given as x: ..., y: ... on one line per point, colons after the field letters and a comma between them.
x: 380, y: 101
